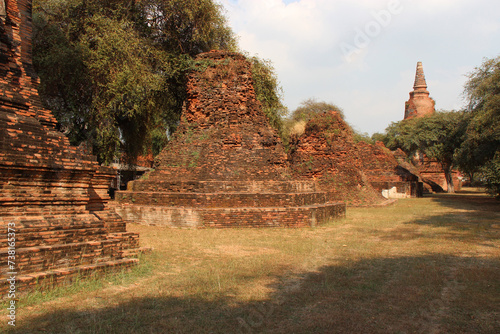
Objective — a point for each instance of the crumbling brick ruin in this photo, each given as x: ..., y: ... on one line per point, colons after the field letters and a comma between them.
x: 53, y: 196
x: 348, y: 171
x: 395, y: 178
x: 421, y: 105
x: 432, y: 174
x: 225, y: 166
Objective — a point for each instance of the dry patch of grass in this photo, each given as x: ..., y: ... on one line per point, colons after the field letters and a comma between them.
x: 428, y: 265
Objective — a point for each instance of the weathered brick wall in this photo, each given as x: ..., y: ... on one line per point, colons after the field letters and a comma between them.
x: 377, y: 162
x: 18, y: 81
x: 354, y: 172
x: 53, y: 193
x: 386, y: 172
x: 225, y: 166
x: 211, y: 186
x: 233, y: 217
x: 223, y: 135
x: 326, y: 152
x: 433, y: 175
x: 223, y: 200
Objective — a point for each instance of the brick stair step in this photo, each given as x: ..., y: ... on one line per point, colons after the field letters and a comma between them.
x: 40, y: 258
x: 158, y: 184
x: 61, y: 275
x: 194, y: 217
x: 46, y: 238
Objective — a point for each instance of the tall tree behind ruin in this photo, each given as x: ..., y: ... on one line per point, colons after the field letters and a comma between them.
x: 480, y: 152
x: 438, y: 136
x: 114, y: 71
x: 269, y: 92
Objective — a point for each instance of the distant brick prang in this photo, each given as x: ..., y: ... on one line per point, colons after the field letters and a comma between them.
x: 53, y: 195
x: 225, y: 166
x: 419, y: 104
x: 348, y: 171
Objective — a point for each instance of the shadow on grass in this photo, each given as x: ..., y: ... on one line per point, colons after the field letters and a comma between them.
x: 385, y: 295
x: 475, y: 219
x: 468, y: 200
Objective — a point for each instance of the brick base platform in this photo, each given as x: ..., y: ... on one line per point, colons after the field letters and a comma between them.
x: 225, y: 166
x: 223, y: 204
x: 66, y: 276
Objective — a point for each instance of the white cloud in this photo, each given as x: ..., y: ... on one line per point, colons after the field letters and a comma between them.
x: 303, y: 40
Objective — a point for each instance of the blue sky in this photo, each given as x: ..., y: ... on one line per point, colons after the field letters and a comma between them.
x: 361, y: 54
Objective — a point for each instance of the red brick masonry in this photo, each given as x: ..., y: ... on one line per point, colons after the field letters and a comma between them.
x: 421, y: 105
x: 225, y: 165
x: 53, y: 196
x: 349, y: 171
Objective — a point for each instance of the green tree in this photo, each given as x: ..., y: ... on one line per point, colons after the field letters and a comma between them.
x: 269, y: 92
x: 310, y: 107
x: 296, y: 122
x: 438, y: 136
x: 114, y: 71
x: 377, y: 136
x: 187, y: 26
x: 65, y: 86
x: 481, y: 148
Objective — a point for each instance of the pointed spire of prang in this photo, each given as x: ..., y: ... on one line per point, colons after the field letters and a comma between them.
x: 419, y: 78
x: 419, y: 104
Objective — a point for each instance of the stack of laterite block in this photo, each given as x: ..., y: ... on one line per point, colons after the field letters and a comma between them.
x: 350, y: 171
x: 327, y: 152
x: 52, y: 195
x: 386, y: 172
x: 225, y: 165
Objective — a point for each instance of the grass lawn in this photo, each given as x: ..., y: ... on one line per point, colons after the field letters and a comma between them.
x: 428, y: 265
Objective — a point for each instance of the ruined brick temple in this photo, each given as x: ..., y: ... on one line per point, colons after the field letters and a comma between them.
x: 53, y: 196
x: 389, y: 172
x: 357, y: 173
x: 421, y: 105
x: 225, y: 165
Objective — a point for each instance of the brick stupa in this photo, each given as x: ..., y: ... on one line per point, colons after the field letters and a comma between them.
x: 357, y: 173
x: 419, y: 104
x: 53, y: 196
x: 225, y: 166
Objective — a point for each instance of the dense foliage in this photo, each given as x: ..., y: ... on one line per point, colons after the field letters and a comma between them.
x: 480, y: 151
x: 438, y: 136
x: 311, y: 107
x: 114, y: 71
x: 269, y: 92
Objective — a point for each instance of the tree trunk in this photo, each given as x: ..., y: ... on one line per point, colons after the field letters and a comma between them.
x: 448, y: 176
x: 471, y: 178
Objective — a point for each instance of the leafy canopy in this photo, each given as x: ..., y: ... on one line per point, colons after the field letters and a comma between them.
x: 269, y: 92
x: 310, y: 107
x: 439, y: 136
x: 483, y: 131
x: 480, y: 152
x: 113, y: 71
